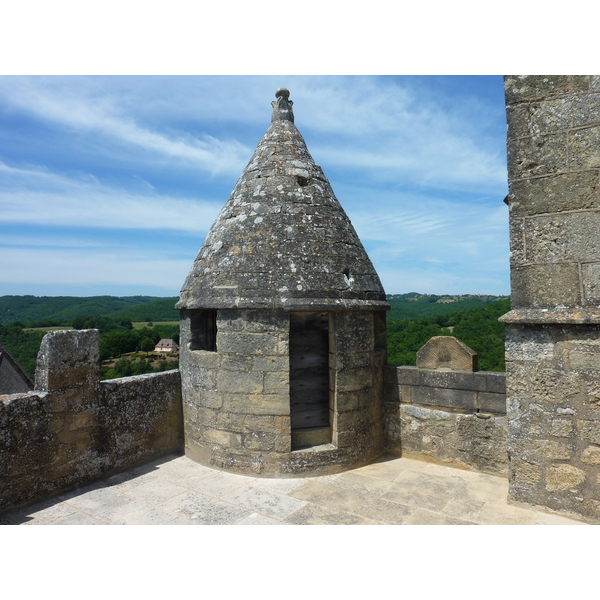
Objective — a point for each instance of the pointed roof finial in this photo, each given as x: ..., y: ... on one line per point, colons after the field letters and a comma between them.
x: 282, y: 107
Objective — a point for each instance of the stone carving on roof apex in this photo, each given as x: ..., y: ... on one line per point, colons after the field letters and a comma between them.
x: 282, y: 107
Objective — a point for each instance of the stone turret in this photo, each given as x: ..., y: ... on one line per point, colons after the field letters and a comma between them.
x: 282, y: 240
x: 282, y: 323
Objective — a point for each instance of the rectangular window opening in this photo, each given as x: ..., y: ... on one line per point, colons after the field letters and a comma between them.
x: 203, y: 330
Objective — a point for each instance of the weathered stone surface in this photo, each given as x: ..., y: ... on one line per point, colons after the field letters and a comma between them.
x: 67, y: 359
x: 537, y: 155
x: 491, y: 403
x: 584, y: 148
x: 591, y: 455
x: 565, y: 237
x: 465, y: 441
x: 282, y: 240
x: 446, y: 352
x: 434, y: 396
x: 545, y: 285
x: 569, y: 191
x: 563, y: 477
x: 590, y: 276
x: 523, y: 88
x: 401, y: 375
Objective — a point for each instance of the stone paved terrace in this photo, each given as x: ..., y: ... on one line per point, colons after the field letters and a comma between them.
x: 393, y: 491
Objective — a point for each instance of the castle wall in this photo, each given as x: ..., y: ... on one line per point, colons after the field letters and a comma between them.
x: 453, y: 418
x: 74, y: 429
x: 552, y: 333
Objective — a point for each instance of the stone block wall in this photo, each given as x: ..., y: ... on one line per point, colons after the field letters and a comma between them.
x: 236, y: 400
x: 455, y: 418
x: 554, y: 416
x: 74, y: 429
x: 357, y: 357
x: 553, y: 168
x: 553, y: 364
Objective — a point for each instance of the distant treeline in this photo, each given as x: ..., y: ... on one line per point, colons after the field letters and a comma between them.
x: 475, y: 324
x: 478, y: 328
x: 114, y: 341
x: 415, y: 306
x: 63, y: 309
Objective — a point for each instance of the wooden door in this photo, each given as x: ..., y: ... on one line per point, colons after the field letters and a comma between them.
x: 309, y: 369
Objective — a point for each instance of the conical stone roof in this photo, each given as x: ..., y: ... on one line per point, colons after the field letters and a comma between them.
x: 282, y: 240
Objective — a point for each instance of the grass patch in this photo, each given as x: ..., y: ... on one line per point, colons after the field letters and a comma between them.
x: 142, y: 324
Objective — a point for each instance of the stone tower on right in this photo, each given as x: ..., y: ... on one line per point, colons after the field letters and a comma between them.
x: 553, y: 329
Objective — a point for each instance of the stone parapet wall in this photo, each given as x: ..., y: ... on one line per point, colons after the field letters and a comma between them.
x: 455, y: 418
x: 75, y: 429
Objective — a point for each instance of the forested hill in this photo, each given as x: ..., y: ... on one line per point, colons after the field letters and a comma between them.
x: 413, y: 319
x: 415, y: 306
x: 63, y: 309
x: 478, y: 328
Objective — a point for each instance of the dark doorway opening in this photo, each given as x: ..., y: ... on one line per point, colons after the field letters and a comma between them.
x: 309, y: 379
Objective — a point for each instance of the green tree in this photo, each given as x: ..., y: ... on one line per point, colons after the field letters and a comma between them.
x: 147, y: 345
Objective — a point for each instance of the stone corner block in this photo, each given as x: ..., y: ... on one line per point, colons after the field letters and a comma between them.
x: 68, y: 358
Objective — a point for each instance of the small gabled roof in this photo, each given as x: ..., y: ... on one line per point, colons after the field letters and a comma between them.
x: 166, y: 343
x: 282, y: 240
x: 13, y: 379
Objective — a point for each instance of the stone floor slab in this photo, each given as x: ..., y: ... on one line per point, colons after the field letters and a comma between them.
x: 219, y: 484
x: 204, y: 509
x: 136, y: 513
x: 362, y: 483
x: 312, y: 514
x: 270, y: 504
x: 155, y: 491
x: 383, y: 469
x: 97, y: 501
x: 258, y: 519
x: 426, y: 517
x: 349, y: 501
x: 78, y: 518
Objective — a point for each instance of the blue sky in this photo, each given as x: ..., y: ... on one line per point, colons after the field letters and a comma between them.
x: 108, y: 184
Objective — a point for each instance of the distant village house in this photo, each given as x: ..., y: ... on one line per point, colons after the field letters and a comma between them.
x: 166, y: 346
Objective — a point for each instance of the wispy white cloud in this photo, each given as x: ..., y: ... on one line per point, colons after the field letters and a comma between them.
x: 37, y: 196
x: 379, y: 125
x: 99, y: 112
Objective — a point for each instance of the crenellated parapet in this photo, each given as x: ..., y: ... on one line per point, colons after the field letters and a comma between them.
x: 73, y: 428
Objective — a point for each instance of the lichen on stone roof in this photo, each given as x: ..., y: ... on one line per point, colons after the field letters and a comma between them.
x: 282, y: 240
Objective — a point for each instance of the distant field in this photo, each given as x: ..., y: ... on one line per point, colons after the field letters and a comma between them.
x: 142, y: 324
x: 45, y: 329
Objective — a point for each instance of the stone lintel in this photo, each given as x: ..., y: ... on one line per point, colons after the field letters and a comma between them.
x: 547, y: 316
